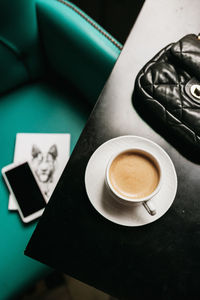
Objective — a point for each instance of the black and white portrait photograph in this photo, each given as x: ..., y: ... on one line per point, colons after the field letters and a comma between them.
x: 47, y: 154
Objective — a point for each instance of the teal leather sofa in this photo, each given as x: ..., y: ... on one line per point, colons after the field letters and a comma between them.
x: 54, y: 61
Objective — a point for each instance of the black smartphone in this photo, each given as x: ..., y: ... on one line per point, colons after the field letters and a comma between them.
x: 24, y: 188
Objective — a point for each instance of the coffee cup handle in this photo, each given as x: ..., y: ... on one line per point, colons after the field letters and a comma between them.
x: 149, y: 206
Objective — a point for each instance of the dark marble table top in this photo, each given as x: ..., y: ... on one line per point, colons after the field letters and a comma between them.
x: 158, y: 260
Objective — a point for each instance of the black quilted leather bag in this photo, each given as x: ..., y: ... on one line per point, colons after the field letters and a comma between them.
x: 167, y: 92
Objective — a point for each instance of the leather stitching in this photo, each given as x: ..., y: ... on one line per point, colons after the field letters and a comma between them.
x: 92, y: 23
x: 152, y: 97
x: 182, y: 123
x: 168, y: 115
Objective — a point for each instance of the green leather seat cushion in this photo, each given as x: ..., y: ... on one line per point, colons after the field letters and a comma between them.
x: 39, y: 107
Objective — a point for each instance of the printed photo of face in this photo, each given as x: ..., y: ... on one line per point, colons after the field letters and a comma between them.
x: 44, y: 164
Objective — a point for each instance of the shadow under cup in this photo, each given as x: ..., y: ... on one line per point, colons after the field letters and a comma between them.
x: 133, y: 177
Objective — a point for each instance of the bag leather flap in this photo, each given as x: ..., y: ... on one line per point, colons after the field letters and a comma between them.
x: 187, y: 53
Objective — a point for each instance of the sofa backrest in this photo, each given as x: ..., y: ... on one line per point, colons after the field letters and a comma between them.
x: 54, y: 33
x: 19, y: 48
x: 76, y: 47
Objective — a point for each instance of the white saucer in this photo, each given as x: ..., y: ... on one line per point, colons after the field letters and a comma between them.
x: 109, y: 207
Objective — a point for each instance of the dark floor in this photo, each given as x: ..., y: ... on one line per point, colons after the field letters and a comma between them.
x: 116, y: 16
x: 62, y: 287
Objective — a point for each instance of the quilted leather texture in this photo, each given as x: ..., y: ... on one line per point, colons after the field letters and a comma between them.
x: 160, y: 89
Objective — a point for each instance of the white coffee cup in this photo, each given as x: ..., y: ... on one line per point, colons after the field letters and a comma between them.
x: 136, y: 168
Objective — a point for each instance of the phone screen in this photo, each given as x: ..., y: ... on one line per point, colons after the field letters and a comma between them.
x: 25, y: 189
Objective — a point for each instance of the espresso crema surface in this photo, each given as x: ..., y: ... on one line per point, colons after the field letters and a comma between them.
x: 133, y: 175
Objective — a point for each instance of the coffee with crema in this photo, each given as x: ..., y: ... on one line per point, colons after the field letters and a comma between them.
x: 133, y: 174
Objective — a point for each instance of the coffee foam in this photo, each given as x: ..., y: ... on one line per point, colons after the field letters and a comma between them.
x: 134, y: 175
